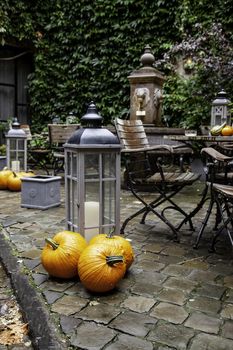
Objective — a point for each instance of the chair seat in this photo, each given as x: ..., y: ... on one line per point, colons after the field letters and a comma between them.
x: 59, y: 155
x: 214, y: 154
x: 224, y: 189
x: 174, y: 178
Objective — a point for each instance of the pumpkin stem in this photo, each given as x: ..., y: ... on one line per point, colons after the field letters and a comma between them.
x: 111, y: 260
x: 51, y: 243
x: 111, y: 232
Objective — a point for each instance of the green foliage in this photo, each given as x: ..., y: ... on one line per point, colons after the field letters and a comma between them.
x: 206, y: 67
x: 2, y: 150
x: 85, y: 51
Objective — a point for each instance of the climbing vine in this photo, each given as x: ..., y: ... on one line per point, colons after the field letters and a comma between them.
x: 85, y: 51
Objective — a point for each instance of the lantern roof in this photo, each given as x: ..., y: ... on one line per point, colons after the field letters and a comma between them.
x: 16, y: 131
x: 221, y: 99
x: 92, y: 133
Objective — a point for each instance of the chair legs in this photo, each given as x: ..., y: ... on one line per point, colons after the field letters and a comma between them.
x: 204, y: 223
x: 167, y: 198
x: 225, y: 224
x: 149, y: 207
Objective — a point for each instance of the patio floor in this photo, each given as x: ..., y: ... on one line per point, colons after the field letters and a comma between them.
x: 173, y: 297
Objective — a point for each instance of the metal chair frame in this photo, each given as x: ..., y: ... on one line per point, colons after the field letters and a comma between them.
x: 218, y: 177
x: 141, y: 175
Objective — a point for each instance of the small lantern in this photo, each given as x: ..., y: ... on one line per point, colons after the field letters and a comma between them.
x: 16, y: 147
x: 220, y: 112
x: 92, y: 178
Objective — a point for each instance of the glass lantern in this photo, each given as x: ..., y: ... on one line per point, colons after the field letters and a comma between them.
x: 220, y: 112
x: 92, y: 178
x: 16, y: 148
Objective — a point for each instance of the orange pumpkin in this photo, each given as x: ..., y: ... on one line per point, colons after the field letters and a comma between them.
x: 116, y: 241
x: 14, y: 182
x: 61, y: 254
x: 26, y: 173
x: 227, y: 131
x: 4, y: 174
x: 100, y: 267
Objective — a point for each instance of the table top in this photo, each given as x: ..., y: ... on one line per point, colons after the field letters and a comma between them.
x: 199, y: 138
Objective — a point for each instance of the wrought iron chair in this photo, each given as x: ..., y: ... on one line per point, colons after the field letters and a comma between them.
x: 219, y: 178
x: 147, y: 172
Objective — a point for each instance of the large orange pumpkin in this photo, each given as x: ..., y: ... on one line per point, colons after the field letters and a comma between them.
x: 100, y: 267
x: 61, y: 254
x: 4, y: 174
x: 116, y: 241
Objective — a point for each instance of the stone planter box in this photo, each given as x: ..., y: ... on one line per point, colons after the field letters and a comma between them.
x: 2, y: 162
x: 40, y: 192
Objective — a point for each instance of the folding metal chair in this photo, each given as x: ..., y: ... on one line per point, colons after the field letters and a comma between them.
x: 219, y: 176
x: 151, y: 168
x: 142, y: 175
x: 223, y: 196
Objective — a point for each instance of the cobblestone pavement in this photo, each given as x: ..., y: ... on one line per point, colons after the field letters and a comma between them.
x: 173, y: 297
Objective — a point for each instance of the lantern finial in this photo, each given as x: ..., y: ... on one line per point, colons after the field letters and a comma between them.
x: 15, y: 123
x: 92, y: 118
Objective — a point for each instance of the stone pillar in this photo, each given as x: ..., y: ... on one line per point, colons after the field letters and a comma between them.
x: 146, y: 91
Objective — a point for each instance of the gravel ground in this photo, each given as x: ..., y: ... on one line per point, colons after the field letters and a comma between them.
x: 13, y: 329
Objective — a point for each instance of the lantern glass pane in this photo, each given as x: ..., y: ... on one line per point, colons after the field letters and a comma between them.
x: 72, y: 190
x: 21, y: 145
x: 109, y: 202
x: 91, y: 166
x: 92, y: 190
x: 72, y: 161
x: 219, y: 110
x: 13, y: 144
x: 109, y: 168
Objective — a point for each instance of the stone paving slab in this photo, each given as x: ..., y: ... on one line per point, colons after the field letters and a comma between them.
x: 173, y: 297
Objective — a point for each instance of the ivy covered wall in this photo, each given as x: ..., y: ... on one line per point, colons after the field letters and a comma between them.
x: 85, y: 50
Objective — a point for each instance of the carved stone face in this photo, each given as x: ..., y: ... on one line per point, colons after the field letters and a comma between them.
x: 141, y: 98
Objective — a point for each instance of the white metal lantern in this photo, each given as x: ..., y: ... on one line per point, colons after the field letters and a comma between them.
x: 16, y: 148
x: 220, y: 112
x: 92, y: 178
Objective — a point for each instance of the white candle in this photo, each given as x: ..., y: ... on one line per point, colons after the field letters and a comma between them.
x: 15, y: 165
x: 91, y: 219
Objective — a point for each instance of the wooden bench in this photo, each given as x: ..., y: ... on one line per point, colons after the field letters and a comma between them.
x: 58, y: 136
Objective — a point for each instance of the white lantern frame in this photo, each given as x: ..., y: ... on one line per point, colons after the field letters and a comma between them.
x: 92, y: 180
x: 16, y: 148
x: 220, y: 112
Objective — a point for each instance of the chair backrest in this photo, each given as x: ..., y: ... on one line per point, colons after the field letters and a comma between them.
x: 60, y: 133
x: 131, y: 133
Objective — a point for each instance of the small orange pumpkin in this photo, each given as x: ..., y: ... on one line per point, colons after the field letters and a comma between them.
x: 116, y: 241
x: 227, y: 131
x: 14, y: 182
x: 4, y: 174
x: 101, y: 267
x: 61, y: 254
x: 26, y: 173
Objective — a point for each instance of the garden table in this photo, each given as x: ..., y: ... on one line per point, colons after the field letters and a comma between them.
x: 199, y: 138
